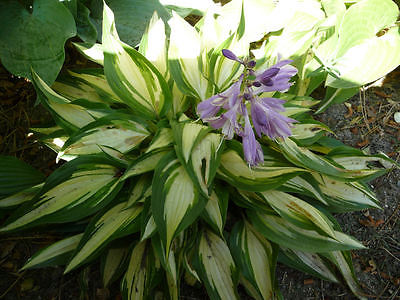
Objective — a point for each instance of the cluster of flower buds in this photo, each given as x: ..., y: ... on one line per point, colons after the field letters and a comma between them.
x: 228, y: 110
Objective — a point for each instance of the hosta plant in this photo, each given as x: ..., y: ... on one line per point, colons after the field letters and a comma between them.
x: 195, y: 158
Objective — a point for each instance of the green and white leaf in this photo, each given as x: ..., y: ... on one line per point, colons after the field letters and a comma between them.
x: 114, y: 263
x: 21, y: 197
x: 215, y: 267
x: 216, y: 210
x: 131, y: 76
x: 298, y: 212
x: 236, y: 172
x: 311, y: 263
x: 57, y: 253
x: 282, y: 232
x: 79, y: 195
x: 145, y: 163
x: 116, y: 222
x: 254, y: 257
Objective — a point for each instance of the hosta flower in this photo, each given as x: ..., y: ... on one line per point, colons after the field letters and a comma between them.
x: 228, y: 111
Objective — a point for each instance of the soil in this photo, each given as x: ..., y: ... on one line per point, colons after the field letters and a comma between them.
x: 365, y: 122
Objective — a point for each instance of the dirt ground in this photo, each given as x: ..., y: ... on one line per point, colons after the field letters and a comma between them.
x: 365, y: 122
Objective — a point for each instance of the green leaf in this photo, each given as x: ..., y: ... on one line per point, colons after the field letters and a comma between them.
x: 254, y: 257
x: 131, y: 76
x: 92, y: 52
x: 175, y: 202
x: 236, y: 172
x: 116, y: 222
x: 85, y: 26
x: 215, y: 267
x: 136, y: 283
x: 336, y: 96
x: 15, y: 176
x: 287, y: 234
x: 298, y: 212
x: 34, y: 40
x: 57, y: 253
x: 303, y: 157
x: 311, y: 263
x: 117, y: 131
x: 21, y: 197
x: 144, y: 163
x: 114, y: 263
x: 131, y: 17
x: 72, y: 192
x: 365, y: 53
x: 216, y: 209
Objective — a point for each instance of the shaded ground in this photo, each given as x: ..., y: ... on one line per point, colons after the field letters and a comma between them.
x: 367, y: 123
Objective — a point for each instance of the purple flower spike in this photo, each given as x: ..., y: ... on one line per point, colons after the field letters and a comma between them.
x: 230, y: 55
x: 267, y: 119
x: 252, y: 149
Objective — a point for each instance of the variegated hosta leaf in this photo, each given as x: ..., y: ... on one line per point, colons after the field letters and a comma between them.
x: 199, y: 152
x: 254, y: 257
x: 79, y: 194
x: 287, y: 234
x: 308, y: 133
x: 116, y: 132
x: 305, y: 158
x: 55, y: 254
x: 69, y: 116
x: 141, y: 270
x: 150, y: 229
x: 144, y: 163
x: 141, y: 190
x: 184, y: 58
x: 89, y: 84
x: 298, y: 212
x: 346, y: 196
x: 311, y: 263
x: 306, y: 186
x: 117, y: 222
x: 216, y: 209
x: 114, y: 263
x: 163, y: 138
x: 215, y: 267
x: 92, y: 52
x: 131, y: 76
x: 153, y: 44
x: 236, y: 172
x: 175, y: 202
x: 21, y: 197
x: 343, y: 261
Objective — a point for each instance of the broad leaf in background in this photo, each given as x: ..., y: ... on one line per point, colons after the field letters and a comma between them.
x: 15, y: 175
x: 34, y: 40
x: 368, y: 45
x: 131, y: 17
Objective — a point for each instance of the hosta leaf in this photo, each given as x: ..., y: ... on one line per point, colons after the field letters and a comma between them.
x: 21, y: 197
x: 308, y: 133
x: 141, y: 269
x: 68, y: 116
x: 298, y: 211
x: 343, y: 261
x: 70, y: 193
x: 175, y: 202
x: 235, y: 171
x: 114, y: 263
x: 57, y: 253
x: 15, y: 175
x: 341, y: 196
x: 131, y: 76
x: 89, y: 84
x: 216, y: 209
x: 306, y: 186
x: 215, y: 267
x: 114, y: 223
x: 254, y: 257
x: 34, y: 39
x: 365, y: 54
x: 287, y: 234
x: 144, y: 163
x: 311, y: 263
x: 93, y: 52
x: 114, y: 131
x: 199, y: 152
x: 162, y: 139
x: 183, y: 58
x: 305, y: 158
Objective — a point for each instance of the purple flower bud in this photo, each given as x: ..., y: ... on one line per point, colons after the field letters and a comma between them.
x: 230, y: 55
x: 256, y: 84
x: 251, y: 64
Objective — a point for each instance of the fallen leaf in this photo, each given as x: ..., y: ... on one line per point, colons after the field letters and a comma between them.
x: 382, y: 94
x: 397, y: 117
x: 363, y: 143
x: 308, y: 281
